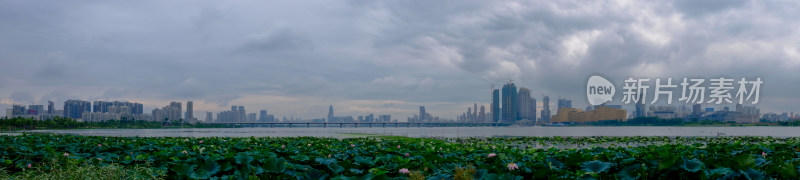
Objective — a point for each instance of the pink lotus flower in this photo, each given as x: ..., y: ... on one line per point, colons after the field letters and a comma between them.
x: 512, y: 166
x: 763, y: 153
x: 352, y: 145
x: 29, y: 165
x: 491, y: 155
x: 283, y: 146
x: 201, y: 141
x: 185, y: 152
x: 404, y: 171
x: 406, y: 154
x: 98, y: 145
x: 398, y: 146
x: 66, y: 154
x: 329, y: 155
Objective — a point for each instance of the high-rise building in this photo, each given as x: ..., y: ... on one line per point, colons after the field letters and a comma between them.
x: 51, y: 108
x: 385, y: 118
x: 564, y: 103
x: 527, y: 110
x: 242, y: 114
x: 474, y: 113
x: 640, y: 108
x: 262, y: 115
x: 422, y: 114
x: 330, y: 114
x: 75, y: 108
x: 482, y: 114
x: 35, y: 109
x: 178, y: 106
x: 18, y: 110
x: 533, y: 104
x: 128, y: 107
x: 510, y: 104
x: 468, y: 115
x: 209, y: 117
x: 189, y: 111
x: 251, y: 117
x: 171, y: 112
x: 495, y: 105
x: 101, y: 106
x: 546, y: 109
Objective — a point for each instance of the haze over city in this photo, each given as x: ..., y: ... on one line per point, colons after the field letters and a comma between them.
x: 381, y: 57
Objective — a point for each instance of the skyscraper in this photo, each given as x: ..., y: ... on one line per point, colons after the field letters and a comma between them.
x: 533, y: 103
x: 178, y: 107
x: 495, y: 105
x: 262, y: 115
x: 209, y: 118
x: 18, y: 110
x: 75, y: 108
x: 35, y: 109
x: 564, y: 103
x: 475, y: 113
x: 468, y: 115
x: 422, y: 113
x: 189, y: 111
x: 251, y: 117
x: 640, y: 108
x: 510, y: 104
x: 482, y: 114
x: 526, y: 109
x: 242, y: 114
x: 546, y: 109
x: 51, y: 108
x: 101, y: 106
x: 330, y: 114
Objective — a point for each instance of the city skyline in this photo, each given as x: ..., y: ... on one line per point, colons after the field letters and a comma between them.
x: 297, y: 58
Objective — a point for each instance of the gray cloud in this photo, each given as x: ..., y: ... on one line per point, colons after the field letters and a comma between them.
x: 383, y: 55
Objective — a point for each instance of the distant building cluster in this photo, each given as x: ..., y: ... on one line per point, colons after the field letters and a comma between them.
x: 517, y: 105
x: 370, y: 118
x: 99, y: 111
x: 741, y: 113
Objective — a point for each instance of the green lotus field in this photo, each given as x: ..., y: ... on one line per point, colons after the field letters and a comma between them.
x: 405, y: 158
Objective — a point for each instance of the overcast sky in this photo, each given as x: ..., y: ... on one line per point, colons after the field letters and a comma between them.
x: 296, y: 57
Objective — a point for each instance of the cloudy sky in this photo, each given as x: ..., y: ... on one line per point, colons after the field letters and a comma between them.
x: 294, y: 58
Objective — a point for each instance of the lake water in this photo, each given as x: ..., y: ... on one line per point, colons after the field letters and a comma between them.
x: 443, y: 131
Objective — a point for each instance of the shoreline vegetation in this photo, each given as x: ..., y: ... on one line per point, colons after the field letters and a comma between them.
x: 52, y: 156
x: 14, y: 124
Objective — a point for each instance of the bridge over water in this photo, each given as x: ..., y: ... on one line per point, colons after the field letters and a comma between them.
x: 360, y: 124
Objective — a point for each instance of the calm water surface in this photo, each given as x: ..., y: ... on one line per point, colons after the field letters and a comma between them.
x: 442, y: 131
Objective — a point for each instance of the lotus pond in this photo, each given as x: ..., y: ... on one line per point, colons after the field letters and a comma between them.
x: 413, y: 158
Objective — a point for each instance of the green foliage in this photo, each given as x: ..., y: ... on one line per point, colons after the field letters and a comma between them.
x: 383, y: 158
